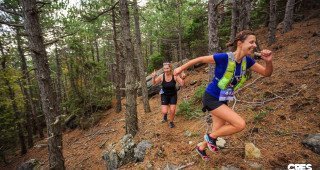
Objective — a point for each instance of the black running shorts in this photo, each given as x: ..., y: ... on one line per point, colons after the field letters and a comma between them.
x: 210, y: 103
x: 168, y: 99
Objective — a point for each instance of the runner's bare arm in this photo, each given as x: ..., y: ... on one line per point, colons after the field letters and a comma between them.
x: 203, y: 59
x: 268, y: 69
x: 179, y: 80
x: 156, y: 79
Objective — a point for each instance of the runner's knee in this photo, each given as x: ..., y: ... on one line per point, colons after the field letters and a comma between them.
x: 240, y: 125
x: 164, y: 110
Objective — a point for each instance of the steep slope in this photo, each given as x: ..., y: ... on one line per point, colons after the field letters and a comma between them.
x: 279, y: 111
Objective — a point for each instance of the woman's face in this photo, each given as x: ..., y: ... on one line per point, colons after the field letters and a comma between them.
x: 248, y: 45
x: 166, y: 68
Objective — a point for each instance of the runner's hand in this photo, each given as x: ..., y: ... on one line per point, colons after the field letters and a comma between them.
x: 154, y: 74
x: 177, y: 71
x: 183, y: 75
x: 266, y: 55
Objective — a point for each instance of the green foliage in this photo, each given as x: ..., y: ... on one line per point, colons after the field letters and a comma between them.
x: 85, y: 123
x: 197, y: 96
x: 156, y: 60
x: 93, y: 96
x: 199, y: 47
x: 185, y: 108
x: 259, y: 15
x: 261, y: 115
x: 224, y: 29
x: 8, y: 131
x: 196, y: 30
x: 189, y: 108
x: 163, y: 20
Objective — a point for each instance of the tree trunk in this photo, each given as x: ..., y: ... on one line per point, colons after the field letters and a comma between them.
x: 234, y: 21
x: 245, y: 17
x: 17, y: 116
x: 138, y: 51
x: 28, y: 101
x: 97, y: 49
x: 59, y: 74
x: 180, y: 30
x: 122, y: 67
x: 72, y: 79
x: 27, y: 116
x: 92, y: 50
x: 48, y: 96
x: 150, y: 43
x: 14, y: 106
x: 131, y: 92
x: 248, y: 17
x: 146, y: 58
x: 272, y: 22
x: 28, y: 93
x: 117, y: 65
x: 213, y: 32
x: 288, y: 17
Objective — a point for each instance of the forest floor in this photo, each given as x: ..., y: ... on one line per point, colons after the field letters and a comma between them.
x: 284, y: 109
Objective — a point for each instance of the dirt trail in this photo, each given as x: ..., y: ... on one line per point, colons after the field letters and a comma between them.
x: 276, y: 127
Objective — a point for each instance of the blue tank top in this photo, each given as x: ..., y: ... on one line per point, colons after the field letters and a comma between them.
x: 221, y: 61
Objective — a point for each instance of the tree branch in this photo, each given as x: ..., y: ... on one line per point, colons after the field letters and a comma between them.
x: 42, y: 4
x: 89, y: 19
x: 57, y: 39
x: 249, y: 84
x: 4, y: 9
x: 11, y: 24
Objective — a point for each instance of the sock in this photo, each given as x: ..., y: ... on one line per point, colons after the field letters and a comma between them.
x: 165, y: 116
x: 214, y: 138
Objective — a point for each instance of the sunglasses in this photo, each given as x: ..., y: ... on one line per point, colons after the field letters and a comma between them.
x: 166, y: 64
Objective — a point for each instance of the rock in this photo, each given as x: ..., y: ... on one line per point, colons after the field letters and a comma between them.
x: 206, y: 69
x: 71, y: 122
x: 312, y: 142
x: 193, y: 82
x: 283, y: 117
x: 221, y: 143
x: 29, y: 165
x: 187, y: 133
x: 140, y: 150
x: 116, y: 159
x: 209, y: 119
x: 280, y: 26
x: 160, y: 152
x: 112, y: 159
x: 126, y: 154
x: 229, y: 167
x: 41, y: 145
x: 316, y: 34
x: 170, y: 166
x: 190, y: 142
x: 252, y: 151
x: 304, y: 86
x: 255, y: 166
x: 254, y: 130
x: 149, y: 166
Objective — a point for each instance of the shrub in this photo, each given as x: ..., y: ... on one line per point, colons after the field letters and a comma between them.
x: 156, y: 60
x: 197, y: 96
x: 190, y: 108
x: 261, y: 115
